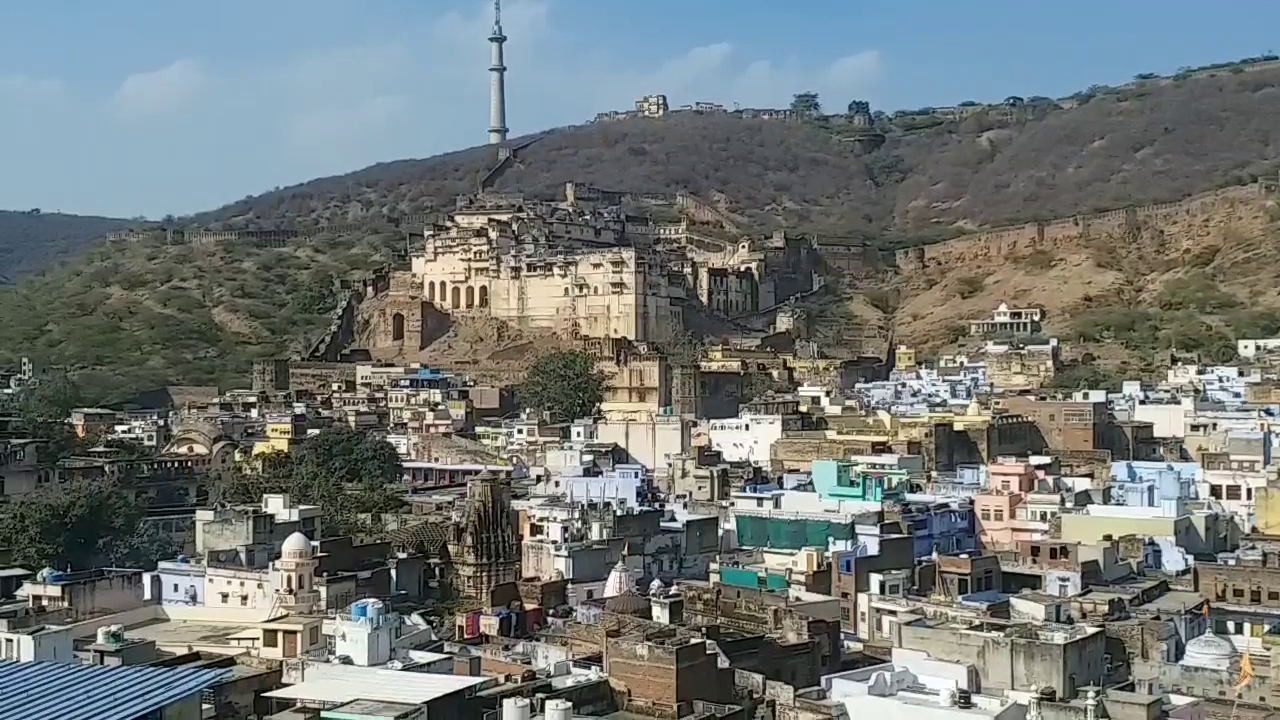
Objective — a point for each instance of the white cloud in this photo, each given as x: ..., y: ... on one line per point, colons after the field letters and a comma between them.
x: 159, y: 92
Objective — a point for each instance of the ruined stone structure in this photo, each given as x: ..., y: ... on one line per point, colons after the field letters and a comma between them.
x: 482, y: 540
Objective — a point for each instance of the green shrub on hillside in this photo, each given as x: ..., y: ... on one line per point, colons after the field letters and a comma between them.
x: 1195, y: 291
x: 969, y: 285
x: 145, y: 314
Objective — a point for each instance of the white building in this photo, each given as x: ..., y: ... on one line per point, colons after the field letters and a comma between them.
x: 288, y: 584
x: 916, y: 687
x: 620, y: 486
x: 1252, y: 348
x: 650, y: 442
x: 24, y: 637
x: 1234, y: 491
x: 366, y: 634
x: 1168, y: 420
x: 748, y: 438
x: 1019, y: 321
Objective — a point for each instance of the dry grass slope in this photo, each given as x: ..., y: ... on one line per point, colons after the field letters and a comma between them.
x: 147, y: 313
x: 1137, y: 146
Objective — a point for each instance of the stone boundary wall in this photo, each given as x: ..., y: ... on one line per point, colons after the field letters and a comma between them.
x: 1016, y: 239
x: 277, y: 237
x: 701, y: 211
x: 328, y: 347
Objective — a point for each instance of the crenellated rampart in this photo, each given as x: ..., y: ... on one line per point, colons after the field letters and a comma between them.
x: 1014, y: 240
x: 329, y: 346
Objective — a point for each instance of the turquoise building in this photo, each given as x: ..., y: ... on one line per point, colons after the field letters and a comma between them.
x: 843, y: 480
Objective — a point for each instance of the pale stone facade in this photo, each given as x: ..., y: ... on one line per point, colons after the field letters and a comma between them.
x: 607, y: 291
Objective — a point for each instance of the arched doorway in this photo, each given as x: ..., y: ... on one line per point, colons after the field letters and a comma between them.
x: 456, y: 297
x: 444, y: 293
x: 431, y: 291
x: 397, y: 327
x: 471, y: 297
x: 484, y: 296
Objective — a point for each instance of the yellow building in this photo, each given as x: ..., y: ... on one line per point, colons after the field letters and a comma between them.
x: 282, y: 434
x: 904, y: 359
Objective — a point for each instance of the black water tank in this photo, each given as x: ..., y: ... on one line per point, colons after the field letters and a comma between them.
x: 964, y: 699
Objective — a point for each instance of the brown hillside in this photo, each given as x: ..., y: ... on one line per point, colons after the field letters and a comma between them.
x: 1192, y: 275
x: 1155, y: 143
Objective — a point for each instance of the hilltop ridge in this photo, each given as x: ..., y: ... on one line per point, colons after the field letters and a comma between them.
x: 1158, y: 141
x: 33, y: 240
x: 150, y: 310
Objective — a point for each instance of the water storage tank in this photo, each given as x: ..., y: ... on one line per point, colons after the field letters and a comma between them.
x: 516, y: 708
x: 104, y: 635
x: 374, y: 611
x: 359, y: 609
x: 557, y: 709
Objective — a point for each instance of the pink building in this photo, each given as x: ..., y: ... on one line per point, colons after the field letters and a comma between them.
x: 1002, y: 517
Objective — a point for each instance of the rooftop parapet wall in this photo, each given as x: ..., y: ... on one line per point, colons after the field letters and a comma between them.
x: 1016, y: 239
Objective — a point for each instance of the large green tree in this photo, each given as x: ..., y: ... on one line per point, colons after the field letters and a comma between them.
x: 566, y: 384
x: 44, y: 409
x: 82, y: 525
x: 346, y: 472
x: 806, y: 103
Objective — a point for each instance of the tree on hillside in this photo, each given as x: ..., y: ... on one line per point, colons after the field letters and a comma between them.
x: 566, y: 384
x: 344, y: 471
x: 50, y: 399
x: 859, y: 107
x: 806, y: 103
x: 44, y: 409
x: 679, y: 345
x: 1086, y: 376
x: 82, y: 525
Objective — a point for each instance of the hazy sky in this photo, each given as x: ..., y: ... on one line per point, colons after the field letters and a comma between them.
x: 146, y: 107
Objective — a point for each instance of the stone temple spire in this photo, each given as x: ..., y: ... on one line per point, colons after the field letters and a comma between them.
x: 482, y: 543
x: 497, y: 81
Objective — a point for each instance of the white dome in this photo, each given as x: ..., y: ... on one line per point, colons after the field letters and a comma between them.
x: 1210, y: 652
x: 296, y: 545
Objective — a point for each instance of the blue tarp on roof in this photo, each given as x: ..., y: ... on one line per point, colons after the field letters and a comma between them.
x: 62, y: 691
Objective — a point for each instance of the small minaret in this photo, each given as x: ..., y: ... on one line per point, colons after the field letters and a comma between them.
x: 497, y: 81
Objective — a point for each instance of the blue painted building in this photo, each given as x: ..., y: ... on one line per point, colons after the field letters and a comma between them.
x: 1154, y: 484
x: 945, y: 525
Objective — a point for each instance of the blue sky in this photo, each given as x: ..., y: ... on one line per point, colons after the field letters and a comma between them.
x: 139, y: 107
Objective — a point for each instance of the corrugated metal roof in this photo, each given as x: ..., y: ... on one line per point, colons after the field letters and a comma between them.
x: 50, y: 690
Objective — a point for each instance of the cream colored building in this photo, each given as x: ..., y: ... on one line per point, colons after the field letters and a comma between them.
x: 592, y: 291
x: 1010, y: 367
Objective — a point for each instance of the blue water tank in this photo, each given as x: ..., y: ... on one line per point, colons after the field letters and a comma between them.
x: 57, y: 576
x: 359, y: 609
